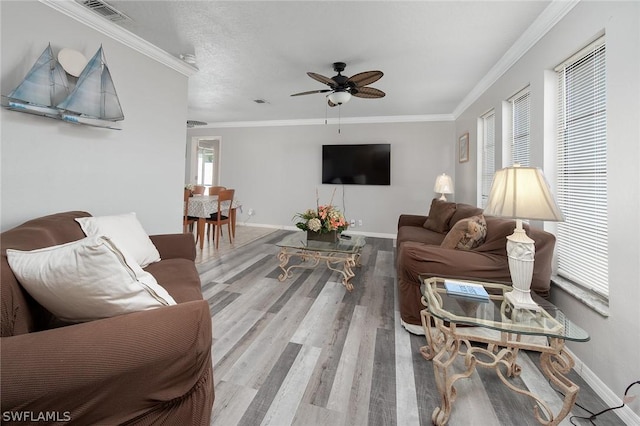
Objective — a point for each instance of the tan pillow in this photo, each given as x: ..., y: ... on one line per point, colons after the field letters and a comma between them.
x: 439, y: 215
x: 466, y: 234
x: 86, y: 280
x: 126, y: 231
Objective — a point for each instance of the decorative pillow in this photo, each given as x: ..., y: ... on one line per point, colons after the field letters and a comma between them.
x: 86, y: 280
x: 439, y: 215
x: 127, y: 232
x: 466, y: 234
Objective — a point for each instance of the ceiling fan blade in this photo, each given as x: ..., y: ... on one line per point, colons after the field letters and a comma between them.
x: 364, y: 78
x: 322, y: 79
x: 367, y: 93
x: 311, y: 92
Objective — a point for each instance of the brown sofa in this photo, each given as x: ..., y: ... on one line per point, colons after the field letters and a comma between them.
x: 418, y: 251
x: 149, y: 367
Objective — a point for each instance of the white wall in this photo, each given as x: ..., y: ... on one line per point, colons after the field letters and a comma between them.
x: 612, y: 352
x: 50, y: 166
x: 276, y: 170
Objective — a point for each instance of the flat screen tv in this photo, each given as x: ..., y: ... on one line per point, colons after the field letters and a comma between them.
x: 364, y: 164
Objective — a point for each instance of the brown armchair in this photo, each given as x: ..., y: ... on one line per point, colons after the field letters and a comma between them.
x: 139, y: 368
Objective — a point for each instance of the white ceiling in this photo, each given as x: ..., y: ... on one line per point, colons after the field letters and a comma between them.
x: 433, y: 53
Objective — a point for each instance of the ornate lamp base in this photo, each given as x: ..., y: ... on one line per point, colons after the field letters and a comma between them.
x: 521, y: 250
x: 521, y: 300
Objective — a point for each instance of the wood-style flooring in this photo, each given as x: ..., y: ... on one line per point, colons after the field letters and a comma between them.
x: 307, y: 352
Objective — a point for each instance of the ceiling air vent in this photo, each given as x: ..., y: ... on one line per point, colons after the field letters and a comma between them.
x: 104, y: 10
x: 194, y: 123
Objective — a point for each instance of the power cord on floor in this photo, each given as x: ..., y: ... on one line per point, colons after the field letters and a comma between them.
x: 593, y: 415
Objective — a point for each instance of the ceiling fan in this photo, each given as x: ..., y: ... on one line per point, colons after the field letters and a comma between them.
x: 343, y: 87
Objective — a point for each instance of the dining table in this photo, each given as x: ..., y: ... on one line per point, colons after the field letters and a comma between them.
x: 202, y: 206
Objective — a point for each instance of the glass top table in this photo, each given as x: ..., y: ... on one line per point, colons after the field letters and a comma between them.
x: 340, y: 256
x: 298, y: 240
x: 451, y: 324
x: 497, y: 313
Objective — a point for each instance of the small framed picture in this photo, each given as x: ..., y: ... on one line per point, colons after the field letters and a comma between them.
x: 463, y: 148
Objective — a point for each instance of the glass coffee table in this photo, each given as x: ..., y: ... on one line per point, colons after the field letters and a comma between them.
x: 340, y: 256
x: 451, y: 325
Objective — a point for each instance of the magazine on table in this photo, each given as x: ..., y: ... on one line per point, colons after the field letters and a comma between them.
x: 466, y: 289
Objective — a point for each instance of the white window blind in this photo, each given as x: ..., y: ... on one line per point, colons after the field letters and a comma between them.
x: 488, y: 154
x: 582, y: 169
x: 520, y: 139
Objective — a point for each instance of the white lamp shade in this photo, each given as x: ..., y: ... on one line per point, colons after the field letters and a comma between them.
x: 444, y: 184
x: 522, y: 193
x: 339, y: 98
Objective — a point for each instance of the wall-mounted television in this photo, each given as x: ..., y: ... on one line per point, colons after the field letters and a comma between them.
x: 363, y: 164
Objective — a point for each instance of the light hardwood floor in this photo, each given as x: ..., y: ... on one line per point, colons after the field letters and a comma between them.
x: 307, y: 352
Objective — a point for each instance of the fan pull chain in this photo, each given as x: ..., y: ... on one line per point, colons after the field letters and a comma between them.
x: 339, y: 116
x: 326, y: 112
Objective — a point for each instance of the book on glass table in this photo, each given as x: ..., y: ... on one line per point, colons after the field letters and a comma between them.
x: 468, y: 290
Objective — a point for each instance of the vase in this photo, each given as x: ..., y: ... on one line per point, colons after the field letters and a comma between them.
x: 329, y: 237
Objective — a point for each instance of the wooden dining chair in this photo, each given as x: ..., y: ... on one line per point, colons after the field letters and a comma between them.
x: 198, y: 190
x: 188, y: 221
x: 217, y: 219
x: 215, y: 190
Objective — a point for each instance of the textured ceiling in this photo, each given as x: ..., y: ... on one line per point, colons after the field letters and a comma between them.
x: 432, y: 53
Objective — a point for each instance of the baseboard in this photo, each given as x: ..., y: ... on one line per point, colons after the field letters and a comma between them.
x: 259, y: 225
x: 610, y: 398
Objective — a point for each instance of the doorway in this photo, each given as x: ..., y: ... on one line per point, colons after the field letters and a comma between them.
x: 203, y: 166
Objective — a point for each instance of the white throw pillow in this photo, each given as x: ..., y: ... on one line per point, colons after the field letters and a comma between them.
x: 126, y: 231
x: 86, y: 280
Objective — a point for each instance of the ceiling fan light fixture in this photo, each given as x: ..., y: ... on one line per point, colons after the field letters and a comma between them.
x: 339, y: 97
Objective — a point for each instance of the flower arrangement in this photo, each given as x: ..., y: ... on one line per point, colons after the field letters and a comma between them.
x: 189, y: 187
x: 322, y: 219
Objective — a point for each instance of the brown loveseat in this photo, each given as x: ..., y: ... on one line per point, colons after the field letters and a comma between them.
x: 148, y: 367
x: 419, y: 251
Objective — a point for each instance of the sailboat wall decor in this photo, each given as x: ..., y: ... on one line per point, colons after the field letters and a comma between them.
x: 44, y: 86
x: 94, y: 100
x: 45, y: 91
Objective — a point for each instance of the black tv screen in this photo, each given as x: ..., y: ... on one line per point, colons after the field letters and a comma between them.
x: 364, y: 164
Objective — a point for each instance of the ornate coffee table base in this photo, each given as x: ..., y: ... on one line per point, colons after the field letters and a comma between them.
x: 347, y: 260
x: 445, y: 343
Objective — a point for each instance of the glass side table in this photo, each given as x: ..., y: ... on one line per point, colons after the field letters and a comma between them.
x: 344, y: 254
x: 451, y: 324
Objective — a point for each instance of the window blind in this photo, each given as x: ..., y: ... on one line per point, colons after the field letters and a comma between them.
x: 488, y: 154
x: 520, y: 128
x: 582, y: 170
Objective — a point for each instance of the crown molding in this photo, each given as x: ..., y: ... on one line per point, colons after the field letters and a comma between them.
x: 85, y: 16
x: 322, y: 121
x: 549, y: 17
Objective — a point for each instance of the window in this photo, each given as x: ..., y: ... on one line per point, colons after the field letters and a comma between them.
x: 207, y: 162
x: 487, y: 168
x: 582, y: 169
x: 519, y: 136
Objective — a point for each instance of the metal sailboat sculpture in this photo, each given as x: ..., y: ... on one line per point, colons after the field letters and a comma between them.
x: 42, y: 88
x: 94, y: 100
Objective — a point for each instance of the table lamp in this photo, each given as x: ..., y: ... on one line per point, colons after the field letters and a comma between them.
x: 444, y: 185
x: 521, y: 193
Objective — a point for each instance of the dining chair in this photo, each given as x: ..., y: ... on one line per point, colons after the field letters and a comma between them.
x: 198, y: 190
x: 215, y: 190
x: 217, y: 219
x: 232, y: 216
x: 188, y: 221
